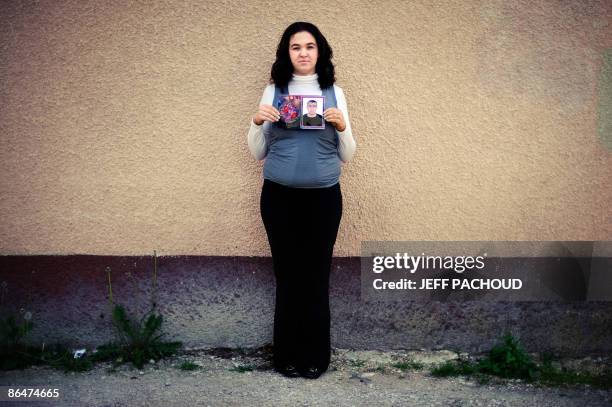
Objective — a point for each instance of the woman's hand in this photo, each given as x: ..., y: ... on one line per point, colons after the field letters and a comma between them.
x: 266, y: 113
x: 335, y: 117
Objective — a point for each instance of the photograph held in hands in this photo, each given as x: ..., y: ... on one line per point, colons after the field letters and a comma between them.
x: 301, y: 111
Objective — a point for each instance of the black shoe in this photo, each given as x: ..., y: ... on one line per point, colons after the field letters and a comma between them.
x: 311, y: 372
x: 288, y: 371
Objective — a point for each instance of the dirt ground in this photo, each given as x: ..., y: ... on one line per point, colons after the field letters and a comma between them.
x: 355, y: 378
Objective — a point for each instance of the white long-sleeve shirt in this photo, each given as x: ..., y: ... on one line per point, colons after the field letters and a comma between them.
x: 306, y: 85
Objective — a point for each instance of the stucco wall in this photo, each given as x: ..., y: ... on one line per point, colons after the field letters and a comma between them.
x: 123, y: 125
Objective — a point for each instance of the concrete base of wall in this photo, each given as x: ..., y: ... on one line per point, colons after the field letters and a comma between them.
x: 209, y: 301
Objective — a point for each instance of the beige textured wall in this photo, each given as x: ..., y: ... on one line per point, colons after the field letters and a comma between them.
x: 123, y: 124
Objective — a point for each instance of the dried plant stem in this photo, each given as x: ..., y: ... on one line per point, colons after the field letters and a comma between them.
x: 110, y: 287
x: 154, y: 279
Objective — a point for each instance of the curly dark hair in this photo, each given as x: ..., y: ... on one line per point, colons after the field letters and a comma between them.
x: 282, y: 69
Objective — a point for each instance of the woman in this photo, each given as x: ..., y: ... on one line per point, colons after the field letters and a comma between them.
x: 301, y: 201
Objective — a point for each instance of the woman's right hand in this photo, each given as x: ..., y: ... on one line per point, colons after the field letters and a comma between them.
x: 266, y: 113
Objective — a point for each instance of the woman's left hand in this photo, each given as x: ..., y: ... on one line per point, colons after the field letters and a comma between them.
x: 335, y: 117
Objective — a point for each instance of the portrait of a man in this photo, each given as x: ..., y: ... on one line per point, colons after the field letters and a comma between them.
x: 312, y: 117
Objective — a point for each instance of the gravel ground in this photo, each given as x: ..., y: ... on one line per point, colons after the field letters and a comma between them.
x: 355, y: 378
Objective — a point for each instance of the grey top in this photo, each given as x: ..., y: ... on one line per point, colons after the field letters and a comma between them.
x: 303, y: 158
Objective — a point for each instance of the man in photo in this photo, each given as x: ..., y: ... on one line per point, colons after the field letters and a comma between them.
x: 312, y: 118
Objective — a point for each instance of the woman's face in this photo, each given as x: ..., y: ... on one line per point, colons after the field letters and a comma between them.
x: 303, y: 52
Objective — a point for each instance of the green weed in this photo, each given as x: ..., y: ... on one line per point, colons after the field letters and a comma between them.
x: 242, y: 368
x: 188, y: 365
x: 509, y: 360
